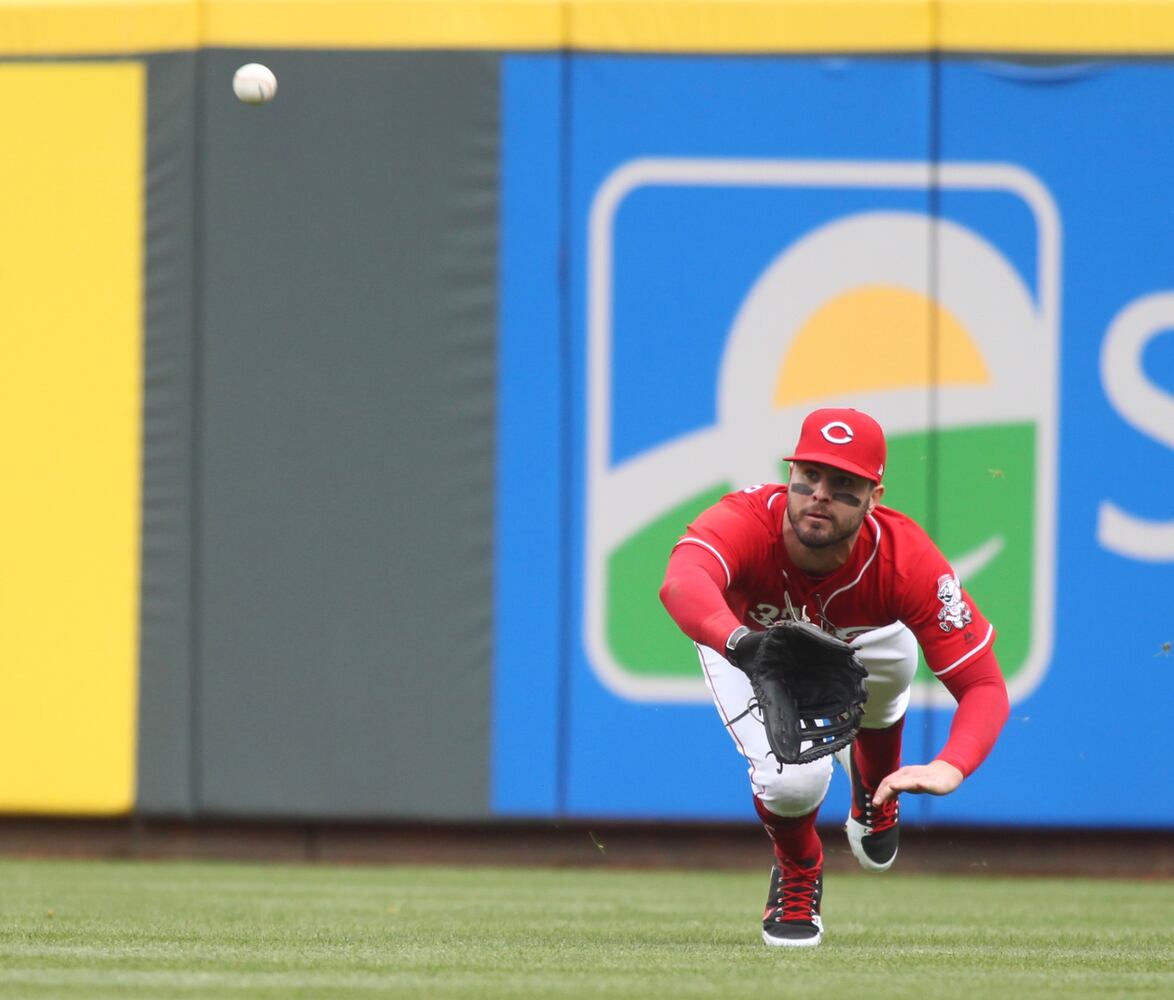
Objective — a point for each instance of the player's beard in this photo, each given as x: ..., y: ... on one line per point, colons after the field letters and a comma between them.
x: 840, y: 530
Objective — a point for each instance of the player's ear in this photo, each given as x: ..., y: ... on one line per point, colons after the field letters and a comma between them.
x: 874, y: 497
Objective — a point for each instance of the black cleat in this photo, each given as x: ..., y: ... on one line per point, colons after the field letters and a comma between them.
x: 873, y: 831
x: 791, y: 918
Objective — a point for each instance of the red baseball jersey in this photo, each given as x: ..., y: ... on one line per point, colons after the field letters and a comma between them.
x: 895, y: 573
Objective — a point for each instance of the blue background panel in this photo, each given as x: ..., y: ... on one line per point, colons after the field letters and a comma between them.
x: 529, y: 505
x: 564, y: 744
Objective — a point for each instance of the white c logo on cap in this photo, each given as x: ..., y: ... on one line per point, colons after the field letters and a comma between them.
x: 829, y: 432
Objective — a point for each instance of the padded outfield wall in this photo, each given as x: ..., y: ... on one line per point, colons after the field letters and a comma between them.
x: 444, y: 346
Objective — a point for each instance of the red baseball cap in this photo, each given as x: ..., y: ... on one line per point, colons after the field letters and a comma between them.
x: 844, y: 439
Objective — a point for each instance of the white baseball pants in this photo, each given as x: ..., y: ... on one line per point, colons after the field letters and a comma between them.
x: 889, y: 655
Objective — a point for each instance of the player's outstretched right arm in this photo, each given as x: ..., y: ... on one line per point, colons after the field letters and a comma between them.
x: 693, y: 594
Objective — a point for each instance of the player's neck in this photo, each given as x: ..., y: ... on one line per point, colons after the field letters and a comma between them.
x: 817, y: 562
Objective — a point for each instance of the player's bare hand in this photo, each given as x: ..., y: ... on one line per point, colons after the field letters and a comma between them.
x: 937, y: 778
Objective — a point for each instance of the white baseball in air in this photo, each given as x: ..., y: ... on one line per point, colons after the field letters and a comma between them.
x: 254, y: 84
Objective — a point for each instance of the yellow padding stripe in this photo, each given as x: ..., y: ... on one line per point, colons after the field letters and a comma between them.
x: 754, y: 26
x: 365, y: 24
x: 1108, y: 27
x: 1096, y: 27
x: 97, y: 27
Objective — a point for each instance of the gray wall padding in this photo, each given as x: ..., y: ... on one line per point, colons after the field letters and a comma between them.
x: 166, y: 730
x: 343, y: 449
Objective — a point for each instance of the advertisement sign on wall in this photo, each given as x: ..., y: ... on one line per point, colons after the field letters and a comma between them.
x: 751, y: 239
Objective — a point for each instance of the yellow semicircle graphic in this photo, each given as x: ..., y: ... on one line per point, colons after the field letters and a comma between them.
x: 877, y: 337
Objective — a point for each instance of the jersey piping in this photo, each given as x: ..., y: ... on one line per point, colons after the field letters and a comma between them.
x: 717, y: 555
x: 864, y: 568
x: 990, y: 630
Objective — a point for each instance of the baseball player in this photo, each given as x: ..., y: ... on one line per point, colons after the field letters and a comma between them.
x: 823, y: 549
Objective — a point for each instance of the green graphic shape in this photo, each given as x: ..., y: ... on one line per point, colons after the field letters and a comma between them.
x: 985, y: 487
x: 643, y: 638
x: 966, y: 486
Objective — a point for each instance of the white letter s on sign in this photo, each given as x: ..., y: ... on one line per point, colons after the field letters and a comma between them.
x: 1146, y: 407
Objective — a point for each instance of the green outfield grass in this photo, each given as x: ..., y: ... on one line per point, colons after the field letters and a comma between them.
x: 164, y: 930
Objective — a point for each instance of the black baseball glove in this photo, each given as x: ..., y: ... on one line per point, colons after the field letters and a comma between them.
x: 808, y: 688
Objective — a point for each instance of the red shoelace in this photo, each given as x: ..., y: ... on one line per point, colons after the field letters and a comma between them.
x: 881, y: 818
x: 797, y: 897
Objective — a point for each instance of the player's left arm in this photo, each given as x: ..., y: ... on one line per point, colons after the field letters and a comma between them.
x: 958, y: 643
x: 983, y: 709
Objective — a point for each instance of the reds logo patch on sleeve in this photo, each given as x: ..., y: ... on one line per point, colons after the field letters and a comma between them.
x: 955, y: 613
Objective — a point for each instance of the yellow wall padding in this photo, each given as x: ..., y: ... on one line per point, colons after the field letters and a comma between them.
x: 1095, y: 27
x: 71, y: 350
